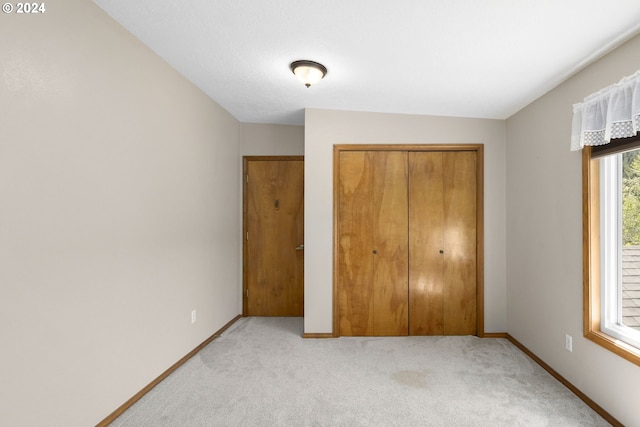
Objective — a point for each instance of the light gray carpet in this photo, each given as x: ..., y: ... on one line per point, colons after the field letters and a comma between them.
x: 260, y: 372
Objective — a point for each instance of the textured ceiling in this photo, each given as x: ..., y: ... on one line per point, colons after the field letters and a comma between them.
x: 468, y: 58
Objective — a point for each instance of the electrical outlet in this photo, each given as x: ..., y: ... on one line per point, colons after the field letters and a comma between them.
x: 193, y: 316
x: 568, y: 342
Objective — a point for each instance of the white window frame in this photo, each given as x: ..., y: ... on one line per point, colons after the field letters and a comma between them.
x: 611, y: 251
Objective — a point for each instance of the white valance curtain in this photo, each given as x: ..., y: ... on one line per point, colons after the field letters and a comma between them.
x: 613, y: 112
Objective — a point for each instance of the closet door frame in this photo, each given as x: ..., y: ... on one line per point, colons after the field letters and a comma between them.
x: 479, y: 149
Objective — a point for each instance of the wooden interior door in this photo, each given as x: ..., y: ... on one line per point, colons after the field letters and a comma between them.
x: 442, y: 243
x: 274, y: 236
x: 372, y: 243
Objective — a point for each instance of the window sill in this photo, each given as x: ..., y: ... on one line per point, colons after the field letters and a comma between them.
x: 614, y: 345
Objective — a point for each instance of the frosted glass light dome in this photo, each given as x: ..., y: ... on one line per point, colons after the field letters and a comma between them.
x: 308, y: 72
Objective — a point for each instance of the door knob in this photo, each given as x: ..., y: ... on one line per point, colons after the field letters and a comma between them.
x: 300, y: 248
x: 441, y: 251
x: 375, y: 251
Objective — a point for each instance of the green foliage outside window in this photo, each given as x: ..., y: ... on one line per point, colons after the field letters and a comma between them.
x: 631, y: 198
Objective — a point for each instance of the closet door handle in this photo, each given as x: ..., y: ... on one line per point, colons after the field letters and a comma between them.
x: 375, y: 251
x: 441, y: 251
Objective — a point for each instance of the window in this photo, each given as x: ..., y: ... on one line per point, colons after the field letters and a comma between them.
x: 611, y: 185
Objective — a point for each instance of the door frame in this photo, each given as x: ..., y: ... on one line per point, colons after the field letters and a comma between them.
x: 245, y: 249
x: 479, y: 149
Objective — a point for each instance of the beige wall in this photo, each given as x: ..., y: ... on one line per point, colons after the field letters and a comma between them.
x: 118, y: 206
x: 258, y: 139
x: 324, y: 128
x: 544, y: 240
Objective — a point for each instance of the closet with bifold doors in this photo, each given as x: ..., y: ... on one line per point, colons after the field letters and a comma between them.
x: 408, y: 240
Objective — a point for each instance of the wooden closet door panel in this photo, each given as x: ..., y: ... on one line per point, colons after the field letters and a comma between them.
x: 460, y: 233
x: 426, y: 263
x: 355, y: 244
x: 372, y: 236
x: 390, y: 251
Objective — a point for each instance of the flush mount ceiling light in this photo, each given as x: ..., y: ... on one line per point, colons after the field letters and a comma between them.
x: 308, y: 72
